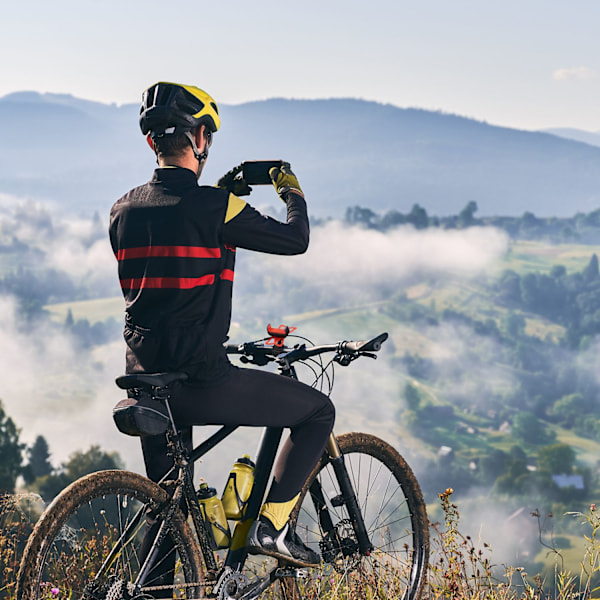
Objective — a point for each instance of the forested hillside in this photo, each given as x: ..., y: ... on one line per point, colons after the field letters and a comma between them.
x: 488, y: 384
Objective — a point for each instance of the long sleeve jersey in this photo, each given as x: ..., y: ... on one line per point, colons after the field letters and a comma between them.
x: 175, y: 243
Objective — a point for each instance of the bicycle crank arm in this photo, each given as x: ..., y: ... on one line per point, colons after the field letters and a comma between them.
x: 257, y: 586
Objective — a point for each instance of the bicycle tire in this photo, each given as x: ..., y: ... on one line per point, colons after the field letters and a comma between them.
x: 77, y: 530
x: 395, y: 515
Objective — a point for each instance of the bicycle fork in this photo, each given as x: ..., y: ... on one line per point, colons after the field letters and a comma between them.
x: 346, y: 498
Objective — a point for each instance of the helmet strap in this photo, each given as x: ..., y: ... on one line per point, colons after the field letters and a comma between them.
x: 200, y: 156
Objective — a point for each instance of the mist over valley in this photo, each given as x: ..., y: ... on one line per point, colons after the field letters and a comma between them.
x: 474, y: 246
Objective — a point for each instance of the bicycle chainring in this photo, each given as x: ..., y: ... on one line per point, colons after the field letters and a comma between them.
x: 229, y: 585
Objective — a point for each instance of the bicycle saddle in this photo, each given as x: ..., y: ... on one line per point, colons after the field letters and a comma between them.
x: 149, y: 380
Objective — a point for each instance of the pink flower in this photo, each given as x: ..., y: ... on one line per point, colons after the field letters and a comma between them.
x: 54, y: 591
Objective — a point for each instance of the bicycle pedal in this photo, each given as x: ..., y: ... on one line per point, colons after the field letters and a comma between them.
x: 294, y: 572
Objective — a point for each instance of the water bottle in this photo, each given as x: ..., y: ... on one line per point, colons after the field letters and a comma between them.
x: 213, y: 513
x: 238, y: 488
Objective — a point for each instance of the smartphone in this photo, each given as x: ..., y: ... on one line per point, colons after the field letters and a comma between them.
x: 256, y: 172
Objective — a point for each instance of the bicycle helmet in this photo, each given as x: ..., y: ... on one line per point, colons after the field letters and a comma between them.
x: 172, y: 107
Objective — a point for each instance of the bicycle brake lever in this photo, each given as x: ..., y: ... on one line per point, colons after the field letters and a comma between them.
x: 344, y: 359
x: 256, y: 360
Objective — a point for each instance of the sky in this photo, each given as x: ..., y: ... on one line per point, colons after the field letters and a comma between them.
x: 526, y: 64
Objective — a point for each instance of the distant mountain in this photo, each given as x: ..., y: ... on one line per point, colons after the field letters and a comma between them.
x: 587, y: 137
x: 82, y: 155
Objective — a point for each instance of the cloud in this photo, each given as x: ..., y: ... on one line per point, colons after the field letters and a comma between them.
x: 51, y: 388
x: 69, y: 400
x: 79, y: 247
x: 574, y: 73
x: 348, y: 265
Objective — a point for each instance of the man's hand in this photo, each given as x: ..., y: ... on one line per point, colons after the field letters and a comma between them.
x: 234, y: 184
x: 285, y: 181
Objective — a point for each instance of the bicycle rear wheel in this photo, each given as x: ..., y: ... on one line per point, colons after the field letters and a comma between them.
x: 395, y: 516
x: 98, y: 514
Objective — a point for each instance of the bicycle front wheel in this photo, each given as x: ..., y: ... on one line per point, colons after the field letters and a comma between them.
x: 395, y: 517
x: 88, y: 544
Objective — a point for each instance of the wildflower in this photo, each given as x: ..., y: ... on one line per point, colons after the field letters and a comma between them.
x: 54, y: 591
x: 593, y: 507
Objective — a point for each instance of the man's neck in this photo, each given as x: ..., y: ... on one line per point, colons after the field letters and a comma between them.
x: 185, y: 161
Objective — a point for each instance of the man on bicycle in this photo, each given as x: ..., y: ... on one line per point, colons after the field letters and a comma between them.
x: 175, y: 242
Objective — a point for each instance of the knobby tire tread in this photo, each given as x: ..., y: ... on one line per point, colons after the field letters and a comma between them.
x: 371, y: 445
x: 79, y: 493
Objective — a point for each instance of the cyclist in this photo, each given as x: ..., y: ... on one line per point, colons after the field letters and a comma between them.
x: 175, y: 242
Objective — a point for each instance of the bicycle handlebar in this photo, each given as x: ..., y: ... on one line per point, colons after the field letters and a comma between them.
x: 261, y: 354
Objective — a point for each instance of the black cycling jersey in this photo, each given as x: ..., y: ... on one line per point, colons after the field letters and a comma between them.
x: 175, y: 243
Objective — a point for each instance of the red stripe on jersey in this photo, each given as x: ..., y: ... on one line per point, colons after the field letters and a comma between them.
x: 181, y: 283
x: 227, y: 274
x: 167, y: 251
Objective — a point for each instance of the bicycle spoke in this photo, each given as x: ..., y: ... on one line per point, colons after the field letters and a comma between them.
x: 395, y: 564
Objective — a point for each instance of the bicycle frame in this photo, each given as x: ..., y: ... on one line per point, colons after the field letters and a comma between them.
x: 267, y: 452
x: 237, y: 553
x: 152, y: 548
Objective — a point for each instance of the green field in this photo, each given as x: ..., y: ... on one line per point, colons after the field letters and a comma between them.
x: 92, y: 310
x: 522, y: 257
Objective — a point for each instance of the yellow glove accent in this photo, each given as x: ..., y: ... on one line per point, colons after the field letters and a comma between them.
x: 284, y: 180
x: 279, y: 512
x: 235, y: 206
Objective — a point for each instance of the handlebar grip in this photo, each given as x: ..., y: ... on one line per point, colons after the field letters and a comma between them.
x: 373, y: 345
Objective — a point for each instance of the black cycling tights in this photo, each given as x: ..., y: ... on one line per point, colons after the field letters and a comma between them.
x: 258, y: 399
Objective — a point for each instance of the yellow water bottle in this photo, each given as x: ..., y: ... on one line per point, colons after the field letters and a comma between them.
x: 213, y: 513
x: 238, y: 488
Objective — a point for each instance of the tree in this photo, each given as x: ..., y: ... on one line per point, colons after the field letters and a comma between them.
x: 95, y: 459
x: 357, y: 215
x: 528, y: 428
x: 418, y: 217
x: 465, y: 217
x: 570, y: 407
x: 591, y: 272
x: 38, y: 464
x: 79, y: 464
x: 10, y: 452
x: 557, y: 459
x: 509, y: 288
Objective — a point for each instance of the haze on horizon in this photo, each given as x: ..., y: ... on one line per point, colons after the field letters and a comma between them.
x: 527, y: 65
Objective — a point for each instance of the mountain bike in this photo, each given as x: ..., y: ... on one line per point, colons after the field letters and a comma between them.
x: 361, y: 509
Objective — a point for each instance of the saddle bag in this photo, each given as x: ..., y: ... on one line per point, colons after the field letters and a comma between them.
x: 141, y: 416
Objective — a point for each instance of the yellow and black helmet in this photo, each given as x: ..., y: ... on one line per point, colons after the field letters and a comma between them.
x: 169, y: 107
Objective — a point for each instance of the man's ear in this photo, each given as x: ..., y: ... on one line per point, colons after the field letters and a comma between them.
x: 200, y: 139
x: 150, y: 142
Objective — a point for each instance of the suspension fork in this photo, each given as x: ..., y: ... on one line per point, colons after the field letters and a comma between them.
x: 346, y: 498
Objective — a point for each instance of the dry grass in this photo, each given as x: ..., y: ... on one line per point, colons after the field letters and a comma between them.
x: 18, y: 513
x: 460, y: 568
